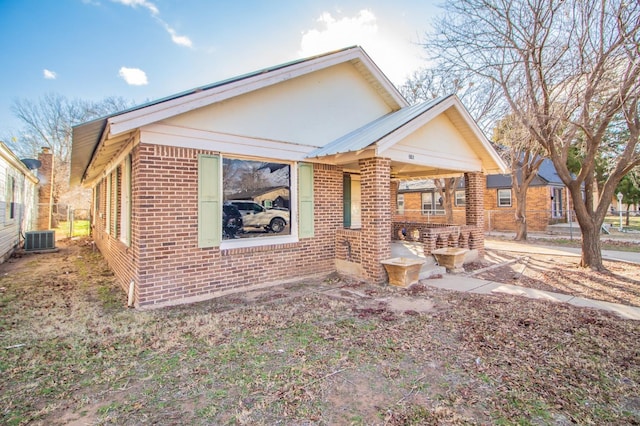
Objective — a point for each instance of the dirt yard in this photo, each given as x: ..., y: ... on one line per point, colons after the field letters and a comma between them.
x: 328, y: 351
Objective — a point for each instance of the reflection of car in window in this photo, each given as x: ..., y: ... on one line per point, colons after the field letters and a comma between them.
x: 231, y: 221
x: 256, y: 216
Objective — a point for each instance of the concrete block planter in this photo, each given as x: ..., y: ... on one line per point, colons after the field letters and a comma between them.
x: 403, y: 271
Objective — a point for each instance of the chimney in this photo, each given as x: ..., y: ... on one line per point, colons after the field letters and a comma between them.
x: 45, y: 189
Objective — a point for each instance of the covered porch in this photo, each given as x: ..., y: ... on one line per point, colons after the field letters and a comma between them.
x: 427, y: 141
x: 382, y: 233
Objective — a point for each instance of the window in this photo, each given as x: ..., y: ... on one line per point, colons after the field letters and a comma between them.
x: 11, y: 193
x: 556, y: 202
x: 249, y: 202
x: 252, y: 186
x: 400, y: 203
x: 432, y: 204
x: 504, y: 197
x: 461, y: 199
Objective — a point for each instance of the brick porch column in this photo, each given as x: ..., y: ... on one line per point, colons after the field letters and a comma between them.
x: 375, y: 179
x: 475, y: 183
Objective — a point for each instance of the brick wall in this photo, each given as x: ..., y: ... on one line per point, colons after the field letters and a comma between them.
x: 538, y: 210
x: 164, y: 259
x: 120, y: 256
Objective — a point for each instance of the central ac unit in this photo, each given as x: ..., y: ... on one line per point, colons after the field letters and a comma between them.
x: 40, y: 240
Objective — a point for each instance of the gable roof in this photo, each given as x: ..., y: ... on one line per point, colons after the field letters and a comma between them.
x: 370, y: 133
x: 89, y: 138
x: 383, y: 133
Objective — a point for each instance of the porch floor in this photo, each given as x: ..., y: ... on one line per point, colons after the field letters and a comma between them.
x: 413, y: 250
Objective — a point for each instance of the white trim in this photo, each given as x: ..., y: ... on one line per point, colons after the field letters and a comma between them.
x: 154, y: 113
x: 159, y: 134
x: 510, y: 197
x: 438, y: 160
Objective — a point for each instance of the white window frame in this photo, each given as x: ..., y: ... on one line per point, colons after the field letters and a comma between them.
x: 464, y: 198
x: 434, y: 211
x: 500, y: 198
x: 10, y: 204
x: 400, y: 203
x: 293, y: 210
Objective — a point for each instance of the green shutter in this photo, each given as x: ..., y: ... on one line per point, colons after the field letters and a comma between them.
x: 305, y: 200
x: 346, y: 201
x: 209, y: 206
x: 116, y: 201
x: 127, y: 205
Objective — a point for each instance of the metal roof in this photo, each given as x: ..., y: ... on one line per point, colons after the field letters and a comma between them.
x: 372, y: 132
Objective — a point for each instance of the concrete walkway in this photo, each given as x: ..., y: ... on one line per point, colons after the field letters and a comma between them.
x: 474, y: 285
x: 515, y: 246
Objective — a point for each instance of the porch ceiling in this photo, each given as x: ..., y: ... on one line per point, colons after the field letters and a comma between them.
x: 408, y: 171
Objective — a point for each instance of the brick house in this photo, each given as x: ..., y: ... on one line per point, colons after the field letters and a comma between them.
x: 547, y: 201
x: 332, y: 129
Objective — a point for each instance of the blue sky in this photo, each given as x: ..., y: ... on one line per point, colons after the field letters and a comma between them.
x: 147, y: 49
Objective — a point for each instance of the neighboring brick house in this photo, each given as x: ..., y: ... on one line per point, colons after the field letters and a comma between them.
x: 331, y: 129
x: 19, y: 204
x: 547, y: 201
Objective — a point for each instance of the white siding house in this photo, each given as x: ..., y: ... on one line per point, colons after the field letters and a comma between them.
x: 18, y: 201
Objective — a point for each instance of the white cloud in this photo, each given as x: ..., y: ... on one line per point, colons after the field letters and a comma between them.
x: 133, y: 76
x: 49, y: 75
x: 180, y: 40
x: 177, y: 39
x: 143, y: 3
x: 392, y: 51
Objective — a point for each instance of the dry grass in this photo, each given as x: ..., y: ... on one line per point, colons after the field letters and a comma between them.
x: 325, y: 352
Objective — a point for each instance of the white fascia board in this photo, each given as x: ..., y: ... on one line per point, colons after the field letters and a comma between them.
x: 161, y: 134
x: 154, y: 113
x: 435, y: 160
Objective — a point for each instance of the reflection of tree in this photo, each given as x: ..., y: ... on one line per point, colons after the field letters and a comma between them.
x: 246, y: 175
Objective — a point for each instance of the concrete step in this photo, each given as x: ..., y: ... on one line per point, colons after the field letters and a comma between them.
x: 411, y: 250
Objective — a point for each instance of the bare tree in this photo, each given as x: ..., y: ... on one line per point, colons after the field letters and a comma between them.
x: 566, y: 69
x: 481, y: 98
x: 446, y: 188
x: 524, y: 159
x: 47, y: 122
